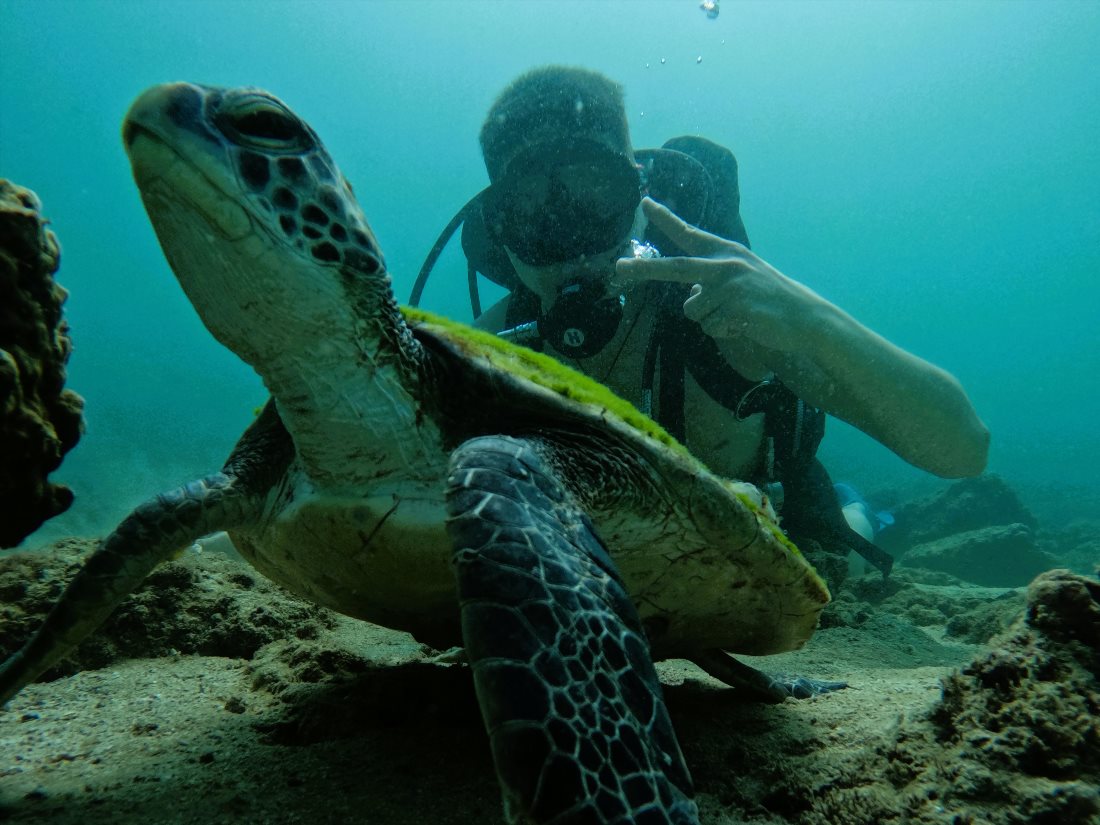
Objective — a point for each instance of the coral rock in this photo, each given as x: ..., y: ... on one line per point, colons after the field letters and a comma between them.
x: 1030, y: 706
x: 969, y: 504
x: 40, y: 420
x: 1066, y: 607
x: 1004, y: 556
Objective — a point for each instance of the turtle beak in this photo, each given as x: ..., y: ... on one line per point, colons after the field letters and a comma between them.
x: 166, y: 110
x: 147, y: 112
x: 177, y: 159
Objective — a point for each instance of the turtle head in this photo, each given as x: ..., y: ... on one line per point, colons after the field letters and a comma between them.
x: 267, y: 240
x: 258, y: 224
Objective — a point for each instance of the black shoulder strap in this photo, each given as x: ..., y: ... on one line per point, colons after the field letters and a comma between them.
x: 680, y: 346
x: 793, y: 427
x: 484, y: 253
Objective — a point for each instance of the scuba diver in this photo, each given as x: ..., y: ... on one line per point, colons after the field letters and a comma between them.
x: 634, y: 267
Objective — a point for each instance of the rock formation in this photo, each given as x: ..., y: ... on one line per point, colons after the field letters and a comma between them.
x: 40, y: 420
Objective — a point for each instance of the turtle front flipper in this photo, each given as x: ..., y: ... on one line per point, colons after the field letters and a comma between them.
x: 155, y: 531
x: 570, y: 698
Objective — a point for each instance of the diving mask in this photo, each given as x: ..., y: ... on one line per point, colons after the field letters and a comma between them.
x: 562, y: 199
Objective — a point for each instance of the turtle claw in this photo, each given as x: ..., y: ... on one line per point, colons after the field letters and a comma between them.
x: 760, y: 686
x: 451, y: 656
x: 802, y: 687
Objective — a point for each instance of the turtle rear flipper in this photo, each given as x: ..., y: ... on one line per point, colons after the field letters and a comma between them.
x: 758, y: 685
x: 570, y: 698
x: 152, y: 533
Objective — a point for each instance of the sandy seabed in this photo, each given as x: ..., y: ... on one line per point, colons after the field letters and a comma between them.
x: 213, y: 697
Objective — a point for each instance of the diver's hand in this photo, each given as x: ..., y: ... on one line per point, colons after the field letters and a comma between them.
x: 824, y: 355
x: 735, y: 293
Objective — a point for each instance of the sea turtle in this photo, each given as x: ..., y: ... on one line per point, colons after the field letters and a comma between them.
x: 419, y: 474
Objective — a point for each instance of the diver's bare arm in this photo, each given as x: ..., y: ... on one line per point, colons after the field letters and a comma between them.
x: 827, y: 357
x: 911, y: 406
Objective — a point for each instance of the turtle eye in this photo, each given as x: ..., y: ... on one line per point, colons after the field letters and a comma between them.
x: 264, y: 125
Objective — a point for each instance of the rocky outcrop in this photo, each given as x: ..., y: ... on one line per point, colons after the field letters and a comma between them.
x: 1023, y: 720
x: 1015, y: 737
x: 1076, y: 544
x: 1002, y: 556
x: 40, y: 420
x: 969, y: 504
x: 198, y: 604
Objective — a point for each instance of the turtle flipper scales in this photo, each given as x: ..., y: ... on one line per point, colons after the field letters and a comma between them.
x: 152, y: 533
x: 570, y: 698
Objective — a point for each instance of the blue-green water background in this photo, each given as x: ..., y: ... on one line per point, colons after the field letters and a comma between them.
x: 934, y: 168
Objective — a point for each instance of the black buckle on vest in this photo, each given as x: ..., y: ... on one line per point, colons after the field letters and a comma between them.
x: 755, y: 399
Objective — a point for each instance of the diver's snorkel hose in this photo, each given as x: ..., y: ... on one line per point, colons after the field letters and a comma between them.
x: 437, y: 250
x: 521, y: 333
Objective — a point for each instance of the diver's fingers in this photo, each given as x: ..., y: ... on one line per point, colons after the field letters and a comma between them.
x: 678, y: 270
x: 691, y: 239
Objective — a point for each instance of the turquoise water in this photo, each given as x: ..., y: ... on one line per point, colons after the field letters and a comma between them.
x: 932, y: 168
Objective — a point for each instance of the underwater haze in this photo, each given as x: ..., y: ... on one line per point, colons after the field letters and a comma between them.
x: 932, y: 168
